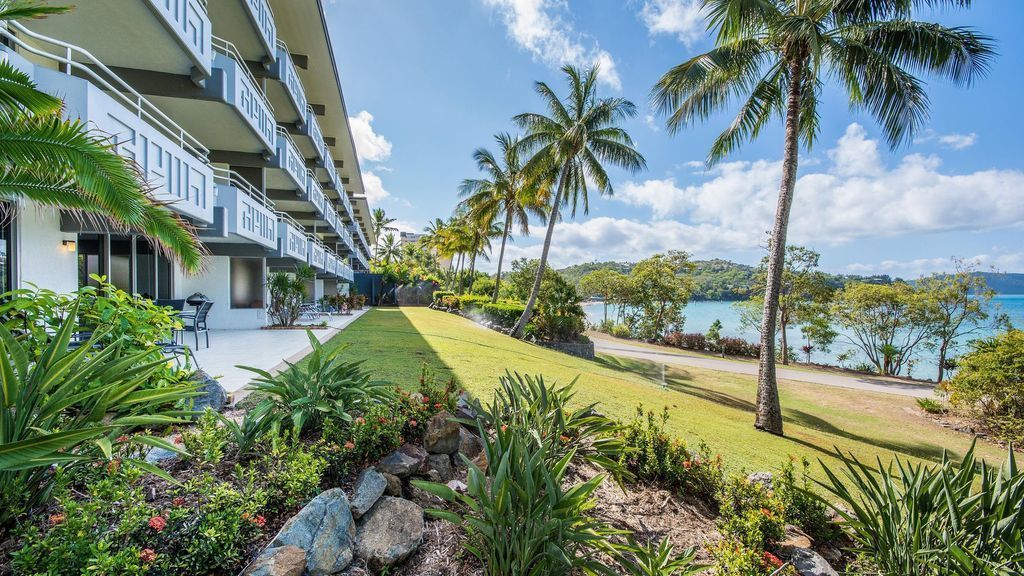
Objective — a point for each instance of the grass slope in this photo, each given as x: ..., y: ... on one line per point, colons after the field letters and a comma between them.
x: 716, y: 407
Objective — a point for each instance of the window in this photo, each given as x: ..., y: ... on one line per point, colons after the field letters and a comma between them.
x: 247, y: 283
x: 90, y: 258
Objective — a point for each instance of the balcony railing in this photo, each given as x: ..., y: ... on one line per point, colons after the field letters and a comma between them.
x: 244, y: 91
x: 289, y: 159
x: 263, y: 18
x: 345, y: 202
x: 316, y: 252
x: 190, y: 22
x: 285, y: 71
x: 291, y: 238
x: 316, y: 194
x: 344, y: 271
x: 311, y: 128
x: 250, y: 214
x: 332, y: 171
x: 330, y: 262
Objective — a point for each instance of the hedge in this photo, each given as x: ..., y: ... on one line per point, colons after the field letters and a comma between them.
x: 439, y: 294
x: 505, y: 314
x: 468, y: 302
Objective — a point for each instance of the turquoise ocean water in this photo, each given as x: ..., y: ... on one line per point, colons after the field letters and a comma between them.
x: 700, y: 315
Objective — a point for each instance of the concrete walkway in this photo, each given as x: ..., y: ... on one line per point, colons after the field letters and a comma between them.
x: 263, y: 349
x: 615, y: 347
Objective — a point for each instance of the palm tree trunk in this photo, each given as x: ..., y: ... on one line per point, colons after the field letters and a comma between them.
x: 517, y: 332
x: 769, y: 411
x: 501, y: 254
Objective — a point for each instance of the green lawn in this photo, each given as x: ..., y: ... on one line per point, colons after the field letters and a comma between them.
x: 705, y: 404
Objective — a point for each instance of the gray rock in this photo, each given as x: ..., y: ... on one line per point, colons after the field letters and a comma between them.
x: 213, y: 395
x: 442, y: 434
x: 762, y: 478
x: 389, y: 533
x: 157, y: 455
x: 424, y: 498
x: 369, y: 488
x: 442, y: 463
x: 280, y: 561
x: 394, y: 487
x: 809, y: 563
x: 324, y: 528
x: 404, y: 462
x: 470, y: 445
x: 464, y: 407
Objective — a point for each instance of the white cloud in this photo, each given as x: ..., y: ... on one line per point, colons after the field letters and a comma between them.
x: 852, y: 195
x: 1000, y: 261
x: 682, y: 18
x: 652, y: 123
x: 374, y: 187
x: 539, y: 27
x: 958, y: 141
x: 370, y: 146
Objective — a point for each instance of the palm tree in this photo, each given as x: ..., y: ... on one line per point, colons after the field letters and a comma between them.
x: 777, y: 54
x: 507, y: 190
x: 480, y: 235
x: 379, y: 222
x: 388, y: 250
x: 570, y: 147
x: 60, y: 163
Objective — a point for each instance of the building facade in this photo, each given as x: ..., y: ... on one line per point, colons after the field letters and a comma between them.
x: 234, y: 113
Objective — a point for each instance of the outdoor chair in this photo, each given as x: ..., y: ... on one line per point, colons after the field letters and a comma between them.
x: 196, y: 323
x: 174, y: 304
x: 310, y: 311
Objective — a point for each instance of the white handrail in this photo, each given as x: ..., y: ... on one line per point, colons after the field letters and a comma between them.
x: 228, y: 49
x: 282, y: 132
x: 114, y: 84
x: 232, y: 178
x: 287, y: 219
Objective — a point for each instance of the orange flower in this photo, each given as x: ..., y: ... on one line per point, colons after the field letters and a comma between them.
x: 564, y: 439
x: 157, y: 523
x: 56, y: 519
x: 147, y: 555
x: 766, y: 512
x: 260, y: 521
x: 383, y: 420
x: 179, y: 501
x: 122, y: 438
x: 360, y: 420
x: 178, y: 439
x: 113, y: 466
x: 437, y: 405
x: 246, y: 515
x: 687, y: 464
x: 349, y: 445
x: 772, y: 560
x: 504, y: 427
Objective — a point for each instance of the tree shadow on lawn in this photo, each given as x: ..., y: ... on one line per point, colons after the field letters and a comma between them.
x: 682, y: 381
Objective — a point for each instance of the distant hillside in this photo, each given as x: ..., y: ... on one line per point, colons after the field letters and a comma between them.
x: 1004, y: 282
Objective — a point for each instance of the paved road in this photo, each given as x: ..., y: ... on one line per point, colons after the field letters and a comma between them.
x: 683, y: 358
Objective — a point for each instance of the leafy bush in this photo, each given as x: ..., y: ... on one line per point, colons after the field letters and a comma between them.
x: 621, y: 331
x: 751, y: 514
x: 802, y: 506
x: 653, y: 456
x: 368, y: 438
x: 290, y: 473
x: 287, y: 293
x: 70, y: 407
x: 734, y: 559
x: 450, y: 302
x: 926, y: 519
x: 931, y: 405
x: 441, y: 295
x: 739, y: 347
x: 483, y: 287
x: 520, y: 517
x: 689, y: 341
x: 207, y: 441
x: 560, y: 315
x: 989, y: 384
x: 322, y: 386
x: 656, y: 560
x: 505, y: 314
x: 472, y: 302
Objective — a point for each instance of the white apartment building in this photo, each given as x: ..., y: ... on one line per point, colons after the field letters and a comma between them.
x: 234, y: 112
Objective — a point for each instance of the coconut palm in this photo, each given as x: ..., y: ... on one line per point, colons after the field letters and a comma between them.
x: 570, y: 146
x: 60, y: 163
x: 480, y: 235
x: 379, y: 222
x: 775, y: 55
x: 507, y: 189
x: 389, y: 249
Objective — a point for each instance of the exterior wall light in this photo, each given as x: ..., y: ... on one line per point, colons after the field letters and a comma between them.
x: 69, y: 245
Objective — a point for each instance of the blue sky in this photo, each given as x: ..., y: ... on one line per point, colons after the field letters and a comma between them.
x: 427, y: 82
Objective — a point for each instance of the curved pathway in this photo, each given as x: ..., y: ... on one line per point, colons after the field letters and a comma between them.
x: 616, y: 347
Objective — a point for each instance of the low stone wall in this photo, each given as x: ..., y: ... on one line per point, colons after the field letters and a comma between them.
x: 583, y: 350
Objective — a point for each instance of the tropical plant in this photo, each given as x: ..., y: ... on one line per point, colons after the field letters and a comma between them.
x: 989, y: 384
x: 656, y: 559
x: 604, y: 283
x: 912, y: 519
x: 714, y: 336
x: 656, y: 293
x: 287, y: 294
x: 72, y: 406
x: 388, y: 248
x: 321, y: 386
x: 777, y: 55
x: 958, y: 301
x: 62, y: 164
x: 571, y: 146
x: 380, y: 222
x: 505, y: 190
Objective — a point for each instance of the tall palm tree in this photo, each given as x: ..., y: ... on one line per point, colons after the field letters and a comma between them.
x: 480, y: 235
x: 388, y: 249
x: 570, y: 146
x: 379, y: 222
x: 776, y: 55
x: 60, y: 163
x: 506, y: 189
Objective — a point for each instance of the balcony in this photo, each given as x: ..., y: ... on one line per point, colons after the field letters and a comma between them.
x: 345, y: 271
x: 288, y: 96
x: 247, y: 213
x: 170, y: 36
x: 250, y: 25
x: 311, y: 129
x: 332, y: 172
x: 170, y: 159
x: 316, y: 196
x: 316, y: 253
x: 291, y: 238
x: 292, y: 165
x: 331, y: 263
x: 233, y: 83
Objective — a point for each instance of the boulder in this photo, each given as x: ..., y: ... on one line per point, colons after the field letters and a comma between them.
x: 394, y: 487
x: 795, y: 538
x: 464, y: 407
x: 280, y: 561
x: 157, y: 455
x: 404, y: 462
x: 470, y: 445
x: 213, y: 395
x: 424, y: 498
x: 442, y: 434
x: 762, y: 478
x: 809, y: 563
x: 324, y: 528
x: 369, y: 488
x: 389, y: 533
x: 442, y: 464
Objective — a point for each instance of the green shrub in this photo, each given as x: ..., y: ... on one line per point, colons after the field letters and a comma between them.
x: 442, y: 294
x: 659, y: 559
x: 207, y: 441
x: 368, y: 438
x: 247, y: 433
x: 560, y: 315
x: 450, y: 302
x: 732, y: 558
x: 621, y: 331
x: 802, y: 506
x: 71, y: 407
x: 931, y: 406
x: 287, y: 293
x: 472, y: 302
x: 505, y: 314
x: 290, y: 473
x: 483, y: 287
x: 751, y: 514
x: 322, y: 386
x: 653, y: 456
x: 989, y: 384
x: 927, y: 519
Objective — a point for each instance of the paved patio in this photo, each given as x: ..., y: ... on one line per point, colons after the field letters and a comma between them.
x: 263, y: 349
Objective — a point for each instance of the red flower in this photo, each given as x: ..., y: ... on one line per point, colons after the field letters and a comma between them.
x: 122, y: 438
x: 113, y: 466
x: 178, y: 439
x: 687, y: 464
x: 157, y: 523
x: 772, y: 560
x: 56, y: 519
x: 383, y: 420
x: 349, y: 445
x: 564, y: 439
x: 360, y: 420
x: 413, y: 423
x: 426, y: 399
x: 438, y: 405
x: 147, y: 555
x: 766, y: 512
x: 260, y: 521
x: 179, y: 501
